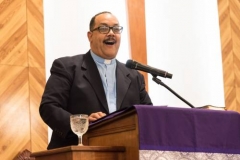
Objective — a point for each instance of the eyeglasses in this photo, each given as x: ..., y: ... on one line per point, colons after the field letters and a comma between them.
x: 106, y: 29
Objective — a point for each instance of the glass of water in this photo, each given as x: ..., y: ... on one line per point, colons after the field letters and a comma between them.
x: 79, y: 125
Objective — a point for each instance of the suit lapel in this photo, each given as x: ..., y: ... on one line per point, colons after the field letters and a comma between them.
x: 93, y: 76
x: 123, y: 83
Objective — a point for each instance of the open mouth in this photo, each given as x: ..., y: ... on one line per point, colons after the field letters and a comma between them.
x: 109, y: 41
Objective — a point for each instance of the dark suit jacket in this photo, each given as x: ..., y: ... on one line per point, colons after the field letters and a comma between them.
x: 75, y: 87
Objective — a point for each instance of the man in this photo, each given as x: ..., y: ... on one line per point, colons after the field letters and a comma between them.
x: 94, y: 83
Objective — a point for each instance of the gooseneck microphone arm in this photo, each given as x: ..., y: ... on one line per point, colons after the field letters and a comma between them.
x: 158, y: 81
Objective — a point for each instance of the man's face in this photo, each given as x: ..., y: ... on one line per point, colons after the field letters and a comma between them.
x: 105, y: 45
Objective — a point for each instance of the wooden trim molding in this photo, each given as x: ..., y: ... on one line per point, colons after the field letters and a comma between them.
x: 137, y: 32
x: 229, y: 21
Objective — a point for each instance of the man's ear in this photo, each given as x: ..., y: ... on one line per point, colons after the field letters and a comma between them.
x: 89, y: 34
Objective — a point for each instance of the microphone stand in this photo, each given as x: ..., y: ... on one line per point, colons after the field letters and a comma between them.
x: 158, y: 81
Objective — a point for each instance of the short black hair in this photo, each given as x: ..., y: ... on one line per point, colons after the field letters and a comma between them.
x: 92, y: 21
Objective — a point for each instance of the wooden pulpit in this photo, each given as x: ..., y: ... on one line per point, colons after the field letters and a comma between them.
x: 115, y: 138
x: 120, y: 130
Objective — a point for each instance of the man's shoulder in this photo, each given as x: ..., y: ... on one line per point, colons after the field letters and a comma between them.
x: 74, y: 58
x: 127, y: 70
x: 69, y: 63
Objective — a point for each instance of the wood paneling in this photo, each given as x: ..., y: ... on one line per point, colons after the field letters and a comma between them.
x: 36, y: 62
x: 22, y: 77
x: 38, y: 127
x: 13, y: 48
x: 14, y: 111
x: 229, y: 21
x: 35, y: 33
x: 137, y: 32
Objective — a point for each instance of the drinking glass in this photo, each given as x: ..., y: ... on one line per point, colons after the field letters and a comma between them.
x: 79, y: 125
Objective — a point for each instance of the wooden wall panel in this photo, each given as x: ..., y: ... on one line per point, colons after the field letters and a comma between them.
x: 22, y: 77
x: 137, y: 32
x: 35, y: 33
x: 39, y: 134
x: 229, y: 21
x: 14, y: 111
x: 13, y: 33
x: 36, y: 62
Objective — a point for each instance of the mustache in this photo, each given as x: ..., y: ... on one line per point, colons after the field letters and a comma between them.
x: 110, y: 39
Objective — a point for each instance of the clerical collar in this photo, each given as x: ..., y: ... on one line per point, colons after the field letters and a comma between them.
x: 101, y: 60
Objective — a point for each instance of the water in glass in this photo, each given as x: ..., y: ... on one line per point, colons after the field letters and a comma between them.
x: 79, y: 125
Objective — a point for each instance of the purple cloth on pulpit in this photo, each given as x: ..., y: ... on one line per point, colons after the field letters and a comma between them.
x: 188, y: 130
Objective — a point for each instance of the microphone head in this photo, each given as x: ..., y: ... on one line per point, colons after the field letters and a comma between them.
x: 145, y: 68
x: 130, y: 64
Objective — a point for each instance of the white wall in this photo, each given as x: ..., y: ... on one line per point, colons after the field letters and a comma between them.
x: 182, y: 38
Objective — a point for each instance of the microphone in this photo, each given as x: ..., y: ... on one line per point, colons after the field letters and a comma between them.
x: 154, y: 71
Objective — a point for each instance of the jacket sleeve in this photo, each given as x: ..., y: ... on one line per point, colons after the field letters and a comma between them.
x: 55, y: 98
